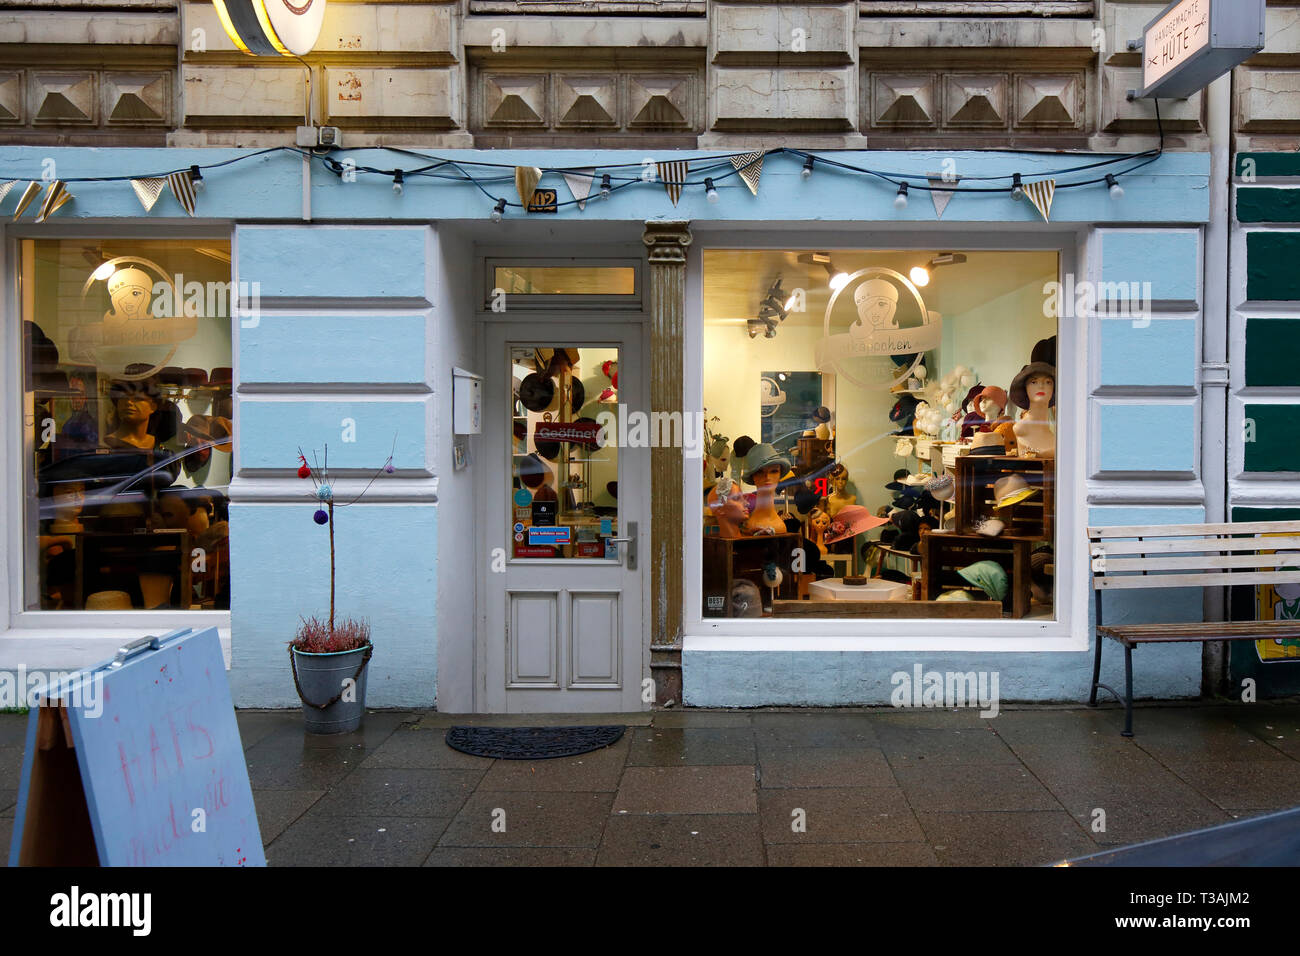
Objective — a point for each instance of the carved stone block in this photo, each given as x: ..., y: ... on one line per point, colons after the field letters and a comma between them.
x: 780, y: 98
x: 1119, y: 115
x: 975, y: 100
x: 63, y: 99
x: 137, y: 99
x: 904, y: 101
x: 771, y: 29
x: 1049, y: 100
x: 514, y: 100
x: 661, y: 102
x: 11, y: 98
x: 380, y: 98
x: 1268, y: 101
x: 242, y: 97
x: 586, y: 102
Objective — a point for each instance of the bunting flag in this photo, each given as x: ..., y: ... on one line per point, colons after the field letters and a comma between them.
x: 940, y: 192
x: 673, y: 175
x: 4, y: 190
x: 1041, y: 194
x: 580, y: 182
x: 148, y: 191
x: 26, y: 198
x: 526, y: 180
x: 56, y: 195
x: 183, y: 189
x: 750, y: 167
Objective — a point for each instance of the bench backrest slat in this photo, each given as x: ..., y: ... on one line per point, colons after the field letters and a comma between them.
x: 1110, y: 582
x: 1184, y: 530
x: 1195, y: 545
x: 1170, y: 556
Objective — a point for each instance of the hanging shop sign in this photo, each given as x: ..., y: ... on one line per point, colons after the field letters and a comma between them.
x: 1194, y: 42
x: 272, y: 27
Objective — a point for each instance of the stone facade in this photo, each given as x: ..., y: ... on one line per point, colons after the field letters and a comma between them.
x: 1015, y: 74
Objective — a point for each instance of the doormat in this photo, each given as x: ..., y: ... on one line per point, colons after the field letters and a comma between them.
x: 531, y: 743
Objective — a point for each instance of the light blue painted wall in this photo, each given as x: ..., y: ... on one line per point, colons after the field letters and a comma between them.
x: 1168, y: 259
x: 1148, y: 352
x: 341, y: 262
x: 279, y: 569
x: 359, y: 348
x: 270, y: 432
x: 1147, y: 437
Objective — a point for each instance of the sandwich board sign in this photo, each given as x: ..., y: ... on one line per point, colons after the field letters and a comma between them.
x: 1191, y: 43
x: 137, y: 762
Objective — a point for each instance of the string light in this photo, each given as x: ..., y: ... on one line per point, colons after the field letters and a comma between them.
x: 806, y: 172
x: 604, y: 186
x: 1017, y: 187
x: 398, y: 179
x: 196, y: 178
x: 710, y: 193
x: 1116, y: 190
x: 499, y: 210
x: 900, y: 201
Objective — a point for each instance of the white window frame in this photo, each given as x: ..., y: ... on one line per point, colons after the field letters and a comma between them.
x: 71, y: 639
x: 597, y: 258
x: 1069, y: 631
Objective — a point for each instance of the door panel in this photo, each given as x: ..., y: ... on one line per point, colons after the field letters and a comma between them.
x: 563, y: 628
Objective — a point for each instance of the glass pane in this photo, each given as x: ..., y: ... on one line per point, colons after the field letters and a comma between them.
x: 565, y: 280
x: 127, y: 423
x: 882, y: 427
x: 564, y: 492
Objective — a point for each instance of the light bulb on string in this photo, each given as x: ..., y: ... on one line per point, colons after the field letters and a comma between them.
x: 398, y: 178
x: 1017, y: 187
x: 499, y: 210
x: 604, y: 186
x: 806, y: 172
x: 196, y: 179
x: 1116, y: 190
x: 900, y: 201
x: 710, y: 193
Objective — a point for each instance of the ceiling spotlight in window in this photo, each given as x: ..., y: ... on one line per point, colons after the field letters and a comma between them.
x: 836, y: 278
x: 920, y: 276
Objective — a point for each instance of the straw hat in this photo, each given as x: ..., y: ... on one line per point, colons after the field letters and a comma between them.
x: 108, y: 601
x: 988, y: 443
x: 1011, y: 490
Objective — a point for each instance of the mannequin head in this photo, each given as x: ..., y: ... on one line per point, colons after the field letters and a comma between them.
x: 839, y: 476
x: 819, y: 520
x: 1041, y: 388
x: 767, y: 477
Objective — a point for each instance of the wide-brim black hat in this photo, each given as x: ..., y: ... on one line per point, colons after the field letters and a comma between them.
x: 1017, y: 392
x: 904, y: 409
x: 536, y: 392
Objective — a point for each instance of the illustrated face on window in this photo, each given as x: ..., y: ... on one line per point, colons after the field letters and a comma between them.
x: 877, y: 301
x: 130, y: 292
x: 1040, y: 388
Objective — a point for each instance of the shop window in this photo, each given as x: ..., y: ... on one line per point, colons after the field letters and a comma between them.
x: 126, y: 392
x: 880, y: 434
x: 566, y: 280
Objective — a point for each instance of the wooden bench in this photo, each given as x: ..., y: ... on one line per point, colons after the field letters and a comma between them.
x: 1188, y: 556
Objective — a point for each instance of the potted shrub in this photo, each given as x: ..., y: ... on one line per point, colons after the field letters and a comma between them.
x: 329, y: 659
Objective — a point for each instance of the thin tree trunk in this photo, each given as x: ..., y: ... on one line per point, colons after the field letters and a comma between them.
x: 331, y: 513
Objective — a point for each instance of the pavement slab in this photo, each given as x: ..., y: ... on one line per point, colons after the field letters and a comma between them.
x: 278, y: 809
x: 511, y: 856
x: 1005, y: 838
x: 852, y: 854
x: 825, y: 767
x: 1245, y: 784
x: 405, y: 793
x: 691, y: 746
x: 973, y: 787
x: 687, y: 790
x: 499, y: 818
x: 838, y: 815
x: 681, y: 839
x: 320, y: 840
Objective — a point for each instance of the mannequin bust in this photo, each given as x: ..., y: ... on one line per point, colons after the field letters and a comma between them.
x: 728, y: 505
x: 133, y: 406
x: 839, y: 496
x: 818, y: 522
x: 764, y: 518
x: 1036, y: 384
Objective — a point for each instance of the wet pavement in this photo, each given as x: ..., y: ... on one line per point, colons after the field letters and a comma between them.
x: 875, y: 787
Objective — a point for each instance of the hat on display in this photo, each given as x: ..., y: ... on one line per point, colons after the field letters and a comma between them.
x: 897, y: 483
x: 1044, y: 351
x: 221, y: 376
x: 904, y: 410
x: 908, y: 524
x: 903, y: 448
x: 612, y: 488
x: 745, y: 599
x: 537, y: 392
x: 917, y: 480
x: 958, y: 595
x: 1011, y: 490
x: 172, y: 375
x: 988, y: 443
x: 942, y: 487
x: 196, y: 378
x: 822, y: 415
x: 763, y: 456
x: 1040, y: 581
x: 989, y: 527
x: 989, y: 576
x: 1017, y: 391
x: 549, y: 358
x: 998, y: 395
x: 533, y: 471
x: 108, y: 601
x: 852, y: 520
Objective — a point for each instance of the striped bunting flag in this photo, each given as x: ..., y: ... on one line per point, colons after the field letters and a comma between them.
x: 1041, y: 194
x: 4, y: 190
x: 26, y: 198
x: 147, y: 191
x: 673, y: 174
x: 750, y: 167
x: 183, y: 189
x: 56, y: 195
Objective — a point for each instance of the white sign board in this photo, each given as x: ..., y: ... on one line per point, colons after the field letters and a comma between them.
x: 1191, y: 43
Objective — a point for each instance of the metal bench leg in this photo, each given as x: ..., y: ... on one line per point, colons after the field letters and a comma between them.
x: 1096, y: 671
x: 1128, y: 691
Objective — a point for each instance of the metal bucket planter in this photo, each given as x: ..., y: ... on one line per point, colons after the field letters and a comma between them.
x: 320, y: 680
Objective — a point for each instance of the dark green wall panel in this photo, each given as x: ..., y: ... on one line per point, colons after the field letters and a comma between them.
x: 1272, y: 266
x: 1276, y: 433
x: 1273, y: 353
x: 1270, y: 164
x: 1268, y: 205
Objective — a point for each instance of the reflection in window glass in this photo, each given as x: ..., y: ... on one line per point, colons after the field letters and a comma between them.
x: 881, y: 429
x: 564, y: 492
x: 565, y: 280
x: 127, y: 415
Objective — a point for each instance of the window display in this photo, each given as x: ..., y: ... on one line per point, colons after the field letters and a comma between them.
x: 127, y: 412
x: 897, y: 414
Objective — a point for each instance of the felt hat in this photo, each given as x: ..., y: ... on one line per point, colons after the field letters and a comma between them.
x: 223, y: 376
x: 990, y: 576
x: 763, y: 456
x: 897, y: 483
x: 904, y: 409
x: 546, y: 359
x: 998, y: 395
x: 971, y: 394
x: 917, y: 480
x: 821, y: 414
x: 537, y: 392
x: 196, y: 378
x: 532, y: 471
x: 908, y: 524
x: 850, y: 521
x: 1017, y: 391
x: 942, y: 487
x: 1011, y: 490
x: 1044, y: 351
x: 987, y: 443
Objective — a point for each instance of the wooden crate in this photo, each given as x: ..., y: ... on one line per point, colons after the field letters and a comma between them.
x: 726, y: 559
x: 943, y: 554
x: 1031, y: 518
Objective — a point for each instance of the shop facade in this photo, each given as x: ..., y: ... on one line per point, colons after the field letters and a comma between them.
x: 361, y: 312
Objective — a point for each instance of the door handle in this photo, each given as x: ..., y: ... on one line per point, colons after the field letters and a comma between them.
x: 630, y: 541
